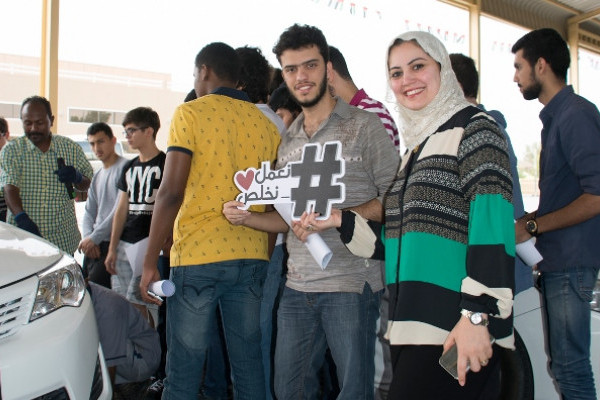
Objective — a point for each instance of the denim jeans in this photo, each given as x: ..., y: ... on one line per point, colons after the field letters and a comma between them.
x: 217, y: 371
x: 567, y: 296
x: 346, y: 321
x: 191, y: 315
x: 268, y: 312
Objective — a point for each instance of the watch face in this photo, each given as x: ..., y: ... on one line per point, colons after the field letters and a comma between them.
x: 531, y: 226
x: 476, y: 318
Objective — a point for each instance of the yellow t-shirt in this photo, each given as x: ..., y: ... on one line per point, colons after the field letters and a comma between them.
x: 223, y: 135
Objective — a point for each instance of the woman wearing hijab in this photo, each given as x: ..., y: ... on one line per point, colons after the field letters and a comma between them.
x: 449, y: 233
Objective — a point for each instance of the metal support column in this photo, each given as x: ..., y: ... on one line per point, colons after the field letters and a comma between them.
x: 49, y: 56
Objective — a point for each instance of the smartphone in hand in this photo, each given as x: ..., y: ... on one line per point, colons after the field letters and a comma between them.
x: 449, y: 360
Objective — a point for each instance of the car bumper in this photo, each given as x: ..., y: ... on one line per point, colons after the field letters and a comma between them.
x: 59, y: 352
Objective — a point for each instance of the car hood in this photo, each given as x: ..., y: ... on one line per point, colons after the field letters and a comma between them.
x: 23, y: 254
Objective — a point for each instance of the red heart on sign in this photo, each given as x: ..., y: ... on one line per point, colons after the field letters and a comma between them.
x: 244, y: 180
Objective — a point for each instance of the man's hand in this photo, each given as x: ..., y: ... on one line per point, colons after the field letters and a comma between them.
x: 521, y: 234
x: 24, y: 222
x: 308, y: 224
x: 111, y: 262
x: 89, y: 248
x: 150, y: 274
x: 473, y: 345
x: 234, y: 215
x: 68, y: 174
x: 334, y: 220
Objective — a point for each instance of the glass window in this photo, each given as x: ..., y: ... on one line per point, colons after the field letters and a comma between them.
x: 499, y: 92
x: 589, y: 70
x: 91, y: 116
x: 10, y: 110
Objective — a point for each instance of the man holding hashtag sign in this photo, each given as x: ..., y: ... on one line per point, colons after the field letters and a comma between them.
x: 337, y: 306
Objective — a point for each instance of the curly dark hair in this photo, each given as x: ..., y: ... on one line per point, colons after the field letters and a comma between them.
x: 255, y: 74
x: 299, y: 36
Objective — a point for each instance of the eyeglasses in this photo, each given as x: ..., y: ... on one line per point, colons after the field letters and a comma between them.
x: 130, y: 131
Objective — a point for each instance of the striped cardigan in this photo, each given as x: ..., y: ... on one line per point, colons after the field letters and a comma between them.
x: 449, y: 233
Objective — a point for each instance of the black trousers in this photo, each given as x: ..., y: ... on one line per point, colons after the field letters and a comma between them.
x: 94, y: 268
x: 419, y: 376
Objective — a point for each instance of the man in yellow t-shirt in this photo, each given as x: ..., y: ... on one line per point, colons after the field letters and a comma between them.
x: 213, y: 262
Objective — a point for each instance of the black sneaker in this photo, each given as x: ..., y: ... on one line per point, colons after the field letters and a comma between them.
x: 155, y: 390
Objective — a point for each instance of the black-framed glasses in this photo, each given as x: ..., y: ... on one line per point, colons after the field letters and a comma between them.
x: 130, y: 131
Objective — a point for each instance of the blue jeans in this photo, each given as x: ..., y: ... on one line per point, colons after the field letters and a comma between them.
x: 217, y: 371
x: 567, y: 296
x: 346, y: 321
x: 191, y: 315
x: 268, y: 311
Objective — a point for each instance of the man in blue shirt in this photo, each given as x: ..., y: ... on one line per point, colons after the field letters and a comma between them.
x: 567, y: 221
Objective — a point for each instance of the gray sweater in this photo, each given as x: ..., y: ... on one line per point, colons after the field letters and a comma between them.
x: 101, y: 201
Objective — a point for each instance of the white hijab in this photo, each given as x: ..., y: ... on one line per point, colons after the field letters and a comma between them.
x: 420, y: 124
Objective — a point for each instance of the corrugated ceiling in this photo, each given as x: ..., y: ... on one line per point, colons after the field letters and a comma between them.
x: 534, y: 14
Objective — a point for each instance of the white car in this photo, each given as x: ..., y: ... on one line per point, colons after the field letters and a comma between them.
x: 526, y: 371
x: 49, y: 346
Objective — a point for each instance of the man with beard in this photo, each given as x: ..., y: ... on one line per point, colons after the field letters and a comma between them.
x: 567, y: 220
x: 40, y: 172
x: 337, y: 306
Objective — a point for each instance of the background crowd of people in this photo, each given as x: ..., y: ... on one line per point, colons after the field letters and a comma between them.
x: 423, y: 244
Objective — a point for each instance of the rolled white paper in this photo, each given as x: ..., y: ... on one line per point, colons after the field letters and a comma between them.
x: 164, y: 288
x: 314, y: 243
x: 528, y: 252
x: 318, y: 249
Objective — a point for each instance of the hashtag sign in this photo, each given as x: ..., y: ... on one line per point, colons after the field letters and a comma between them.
x: 318, y: 174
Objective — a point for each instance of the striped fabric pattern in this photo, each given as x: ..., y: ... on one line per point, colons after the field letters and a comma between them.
x: 363, y: 101
x: 450, y: 234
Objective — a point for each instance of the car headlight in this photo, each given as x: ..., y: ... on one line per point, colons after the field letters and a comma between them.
x: 61, y: 285
x: 595, y: 303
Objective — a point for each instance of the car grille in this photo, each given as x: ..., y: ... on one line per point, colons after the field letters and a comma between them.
x: 14, y: 311
x: 58, y: 394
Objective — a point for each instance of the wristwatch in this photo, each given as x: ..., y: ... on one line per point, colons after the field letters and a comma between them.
x: 531, y: 226
x: 476, y: 318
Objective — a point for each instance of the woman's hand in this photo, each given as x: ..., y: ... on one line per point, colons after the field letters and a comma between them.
x: 473, y: 346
